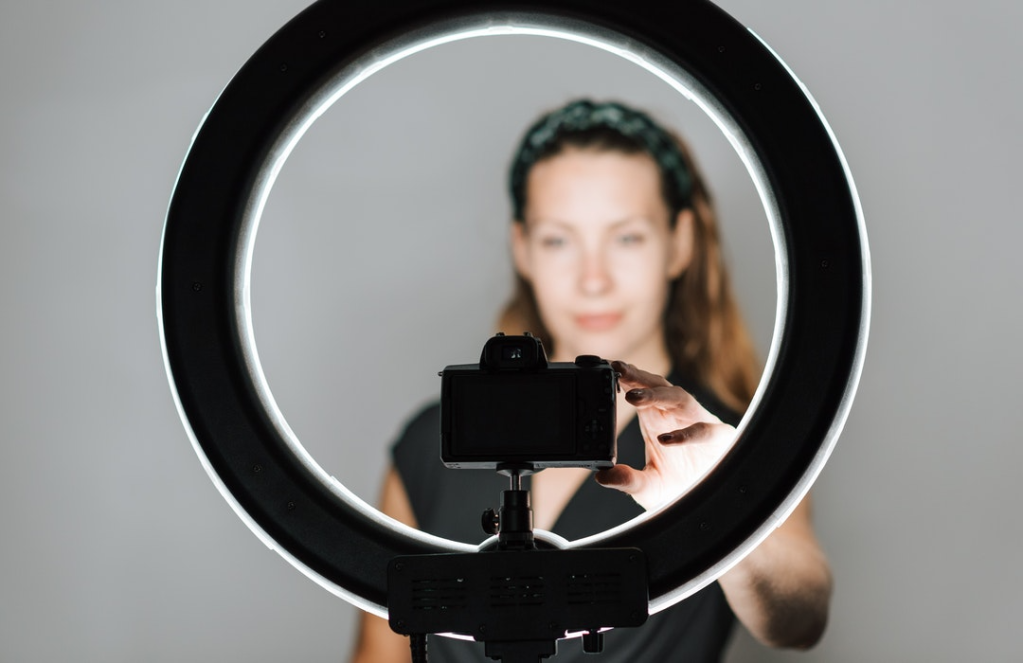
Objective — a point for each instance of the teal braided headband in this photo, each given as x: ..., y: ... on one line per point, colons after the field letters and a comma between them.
x: 585, y: 118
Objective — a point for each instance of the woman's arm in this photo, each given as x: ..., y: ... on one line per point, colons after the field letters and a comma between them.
x: 377, y: 643
x: 780, y: 591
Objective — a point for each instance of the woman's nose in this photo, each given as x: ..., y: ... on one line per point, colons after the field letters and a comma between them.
x: 594, y: 277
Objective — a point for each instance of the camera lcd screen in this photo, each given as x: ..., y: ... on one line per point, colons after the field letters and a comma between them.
x: 507, y: 416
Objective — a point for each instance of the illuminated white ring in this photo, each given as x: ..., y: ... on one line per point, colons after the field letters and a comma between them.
x: 823, y: 268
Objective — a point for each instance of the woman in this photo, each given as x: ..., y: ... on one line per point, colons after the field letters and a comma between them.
x: 617, y: 254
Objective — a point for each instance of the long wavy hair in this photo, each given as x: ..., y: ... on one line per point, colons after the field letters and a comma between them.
x: 704, y: 331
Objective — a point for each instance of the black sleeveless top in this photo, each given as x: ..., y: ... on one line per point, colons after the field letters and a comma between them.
x: 449, y: 503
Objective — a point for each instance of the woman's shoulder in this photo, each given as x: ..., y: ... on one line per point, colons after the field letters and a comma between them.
x: 420, y: 432
x: 425, y: 416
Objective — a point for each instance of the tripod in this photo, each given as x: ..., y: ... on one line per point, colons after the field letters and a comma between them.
x: 514, y: 597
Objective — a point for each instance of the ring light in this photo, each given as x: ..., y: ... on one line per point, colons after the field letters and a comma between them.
x: 320, y: 527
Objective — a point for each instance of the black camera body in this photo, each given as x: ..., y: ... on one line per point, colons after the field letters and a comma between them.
x: 517, y: 411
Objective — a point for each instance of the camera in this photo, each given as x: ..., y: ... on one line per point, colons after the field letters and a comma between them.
x: 517, y: 411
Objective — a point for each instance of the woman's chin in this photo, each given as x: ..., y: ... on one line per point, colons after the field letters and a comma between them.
x: 594, y: 344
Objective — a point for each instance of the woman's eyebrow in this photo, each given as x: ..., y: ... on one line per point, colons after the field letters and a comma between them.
x: 549, y: 221
x: 554, y: 221
x: 630, y: 220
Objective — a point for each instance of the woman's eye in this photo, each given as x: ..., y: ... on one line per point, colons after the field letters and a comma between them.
x: 630, y: 239
x: 553, y: 242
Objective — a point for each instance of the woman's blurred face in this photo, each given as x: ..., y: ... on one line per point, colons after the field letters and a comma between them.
x: 599, y: 251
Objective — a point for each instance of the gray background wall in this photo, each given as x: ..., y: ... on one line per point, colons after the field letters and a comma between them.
x: 115, y: 544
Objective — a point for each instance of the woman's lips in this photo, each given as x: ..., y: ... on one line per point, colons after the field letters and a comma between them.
x: 597, y: 321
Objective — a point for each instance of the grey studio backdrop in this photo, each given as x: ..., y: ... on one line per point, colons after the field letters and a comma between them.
x: 382, y: 257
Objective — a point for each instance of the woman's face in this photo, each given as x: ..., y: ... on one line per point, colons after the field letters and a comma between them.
x: 599, y: 251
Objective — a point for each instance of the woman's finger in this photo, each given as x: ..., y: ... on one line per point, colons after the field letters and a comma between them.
x: 672, y: 401
x: 624, y: 478
x: 669, y: 397
x: 630, y: 376
x: 695, y: 434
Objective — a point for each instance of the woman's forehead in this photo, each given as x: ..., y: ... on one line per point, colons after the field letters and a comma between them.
x: 613, y: 187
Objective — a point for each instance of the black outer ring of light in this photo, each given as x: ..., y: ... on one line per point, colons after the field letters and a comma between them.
x: 818, y: 351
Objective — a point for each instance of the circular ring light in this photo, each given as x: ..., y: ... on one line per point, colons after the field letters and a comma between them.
x: 203, y: 291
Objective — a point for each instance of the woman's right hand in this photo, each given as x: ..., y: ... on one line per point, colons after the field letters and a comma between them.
x: 683, y: 440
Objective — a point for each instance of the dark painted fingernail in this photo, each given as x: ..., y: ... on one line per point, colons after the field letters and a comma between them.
x: 636, y: 394
x: 665, y: 437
